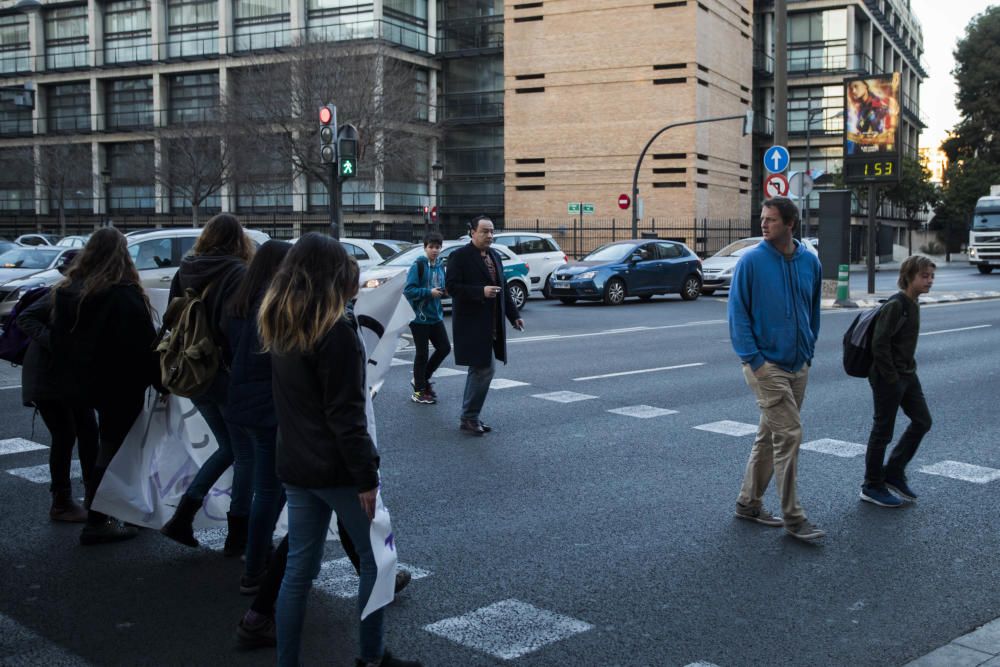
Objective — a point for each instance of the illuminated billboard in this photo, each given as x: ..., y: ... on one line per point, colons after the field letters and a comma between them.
x: 871, y: 129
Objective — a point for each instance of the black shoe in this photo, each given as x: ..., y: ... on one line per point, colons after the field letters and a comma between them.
x: 236, y: 535
x: 486, y: 429
x: 111, y: 530
x: 388, y: 660
x: 899, y: 486
x: 403, y: 579
x: 473, y: 426
x: 180, y: 527
x: 256, y: 635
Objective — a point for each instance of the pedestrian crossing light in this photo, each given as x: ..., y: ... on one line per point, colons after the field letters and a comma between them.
x: 327, y: 134
x: 347, y: 166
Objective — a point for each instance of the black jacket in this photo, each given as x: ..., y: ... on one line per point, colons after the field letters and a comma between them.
x: 477, y: 324
x: 104, y: 345
x: 322, y: 425
x: 41, y: 379
x: 250, y: 401
x: 223, y: 275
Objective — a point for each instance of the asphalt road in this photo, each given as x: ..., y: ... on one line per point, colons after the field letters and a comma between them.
x: 612, y: 535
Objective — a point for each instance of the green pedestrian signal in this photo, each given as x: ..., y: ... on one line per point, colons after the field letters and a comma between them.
x: 346, y: 168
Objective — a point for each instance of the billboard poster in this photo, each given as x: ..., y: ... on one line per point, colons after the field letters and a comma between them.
x: 871, y: 115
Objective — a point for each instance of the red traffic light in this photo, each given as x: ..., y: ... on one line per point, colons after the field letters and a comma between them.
x: 325, y: 115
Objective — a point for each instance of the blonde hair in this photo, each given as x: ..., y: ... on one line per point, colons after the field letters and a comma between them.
x: 910, y: 267
x: 308, y: 296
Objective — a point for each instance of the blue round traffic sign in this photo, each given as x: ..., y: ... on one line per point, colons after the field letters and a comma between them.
x: 776, y: 159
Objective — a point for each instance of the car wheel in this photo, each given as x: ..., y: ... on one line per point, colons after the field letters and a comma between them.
x: 985, y: 269
x: 568, y: 300
x: 614, y: 292
x: 646, y: 297
x: 707, y: 292
x: 692, y: 288
x: 518, y: 294
x: 547, y: 288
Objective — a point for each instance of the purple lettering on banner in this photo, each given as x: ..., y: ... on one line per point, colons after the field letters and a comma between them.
x: 390, y: 542
x: 180, y: 479
x: 216, y: 492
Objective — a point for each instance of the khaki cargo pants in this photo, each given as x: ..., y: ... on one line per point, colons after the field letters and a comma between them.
x: 776, y: 450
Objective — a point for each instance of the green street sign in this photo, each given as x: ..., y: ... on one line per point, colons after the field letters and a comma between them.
x: 574, y: 207
x: 346, y: 168
x: 588, y: 208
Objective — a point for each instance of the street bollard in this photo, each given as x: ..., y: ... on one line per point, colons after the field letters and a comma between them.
x: 844, y: 287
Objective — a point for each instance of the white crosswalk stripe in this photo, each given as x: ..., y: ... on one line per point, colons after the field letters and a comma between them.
x: 40, y: 474
x: 504, y: 383
x: 642, y: 411
x: 965, y: 472
x: 839, y: 448
x: 21, y: 646
x: 563, y: 396
x: 18, y: 445
x: 727, y: 427
x: 338, y: 578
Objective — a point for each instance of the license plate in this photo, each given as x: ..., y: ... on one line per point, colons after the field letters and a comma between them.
x: 560, y: 284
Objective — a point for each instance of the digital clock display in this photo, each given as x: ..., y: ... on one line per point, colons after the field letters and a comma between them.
x: 869, y: 170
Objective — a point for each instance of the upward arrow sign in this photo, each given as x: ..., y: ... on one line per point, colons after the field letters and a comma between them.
x: 776, y: 159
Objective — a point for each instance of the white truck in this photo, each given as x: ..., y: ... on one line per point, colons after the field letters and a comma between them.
x: 984, y: 237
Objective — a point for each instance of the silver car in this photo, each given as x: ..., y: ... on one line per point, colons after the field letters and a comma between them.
x: 718, y: 269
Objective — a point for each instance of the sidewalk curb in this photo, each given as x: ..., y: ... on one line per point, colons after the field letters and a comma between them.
x: 872, y: 301
x: 979, y: 647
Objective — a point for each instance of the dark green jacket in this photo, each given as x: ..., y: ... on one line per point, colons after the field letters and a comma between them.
x: 894, y: 341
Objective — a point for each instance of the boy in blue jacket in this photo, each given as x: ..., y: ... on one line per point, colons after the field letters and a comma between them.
x: 424, y: 289
x: 774, y: 305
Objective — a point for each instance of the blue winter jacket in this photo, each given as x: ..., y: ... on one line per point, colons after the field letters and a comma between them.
x: 418, y: 291
x: 774, y: 307
x: 250, y: 401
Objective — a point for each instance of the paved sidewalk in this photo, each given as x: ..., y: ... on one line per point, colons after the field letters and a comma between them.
x: 865, y: 300
x: 980, y: 647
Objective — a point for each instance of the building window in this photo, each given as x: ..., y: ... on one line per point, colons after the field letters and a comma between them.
x: 422, y: 98
x: 405, y: 23
x: 14, y: 46
x: 194, y: 98
x: 129, y: 103
x: 66, y: 37
x: 131, y: 188
x: 825, y: 101
x: 192, y: 28
x: 406, y: 183
x: 261, y: 24
x: 15, y: 121
x: 126, y: 31
x: 69, y: 108
x: 817, y: 41
x: 17, y: 187
x: 336, y: 20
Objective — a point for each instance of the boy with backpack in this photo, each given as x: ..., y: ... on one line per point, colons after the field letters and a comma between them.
x: 895, y: 385
x: 424, y: 289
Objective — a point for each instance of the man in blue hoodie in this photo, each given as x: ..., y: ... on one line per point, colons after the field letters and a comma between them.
x: 424, y: 289
x: 774, y: 305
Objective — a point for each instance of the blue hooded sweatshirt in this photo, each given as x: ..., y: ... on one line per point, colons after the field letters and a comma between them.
x: 774, y: 306
x: 418, y: 290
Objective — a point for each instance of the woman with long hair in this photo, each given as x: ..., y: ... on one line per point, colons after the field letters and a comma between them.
x: 325, y: 457
x: 101, y: 336
x: 214, y: 269
x: 249, y: 412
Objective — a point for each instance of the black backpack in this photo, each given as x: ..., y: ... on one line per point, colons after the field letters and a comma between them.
x: 14, y: 342
x: 858, y: 357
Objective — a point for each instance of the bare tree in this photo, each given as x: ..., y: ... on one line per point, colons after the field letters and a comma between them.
x: 63, y: 170
x: 372, y: 89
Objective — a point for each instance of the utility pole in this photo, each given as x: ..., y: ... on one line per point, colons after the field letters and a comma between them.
x: 780, y: 72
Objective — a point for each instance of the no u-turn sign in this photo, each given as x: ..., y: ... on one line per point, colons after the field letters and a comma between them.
x: 775, y: 185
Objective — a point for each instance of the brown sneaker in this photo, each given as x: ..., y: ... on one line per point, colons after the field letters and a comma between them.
x: 758, y: 514
x: 805, y: 531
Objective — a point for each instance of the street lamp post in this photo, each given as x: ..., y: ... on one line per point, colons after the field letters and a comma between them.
x: 106, y: 182
x: 437, y: 170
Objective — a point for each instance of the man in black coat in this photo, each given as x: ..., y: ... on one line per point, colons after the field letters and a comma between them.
x: 480, y: 302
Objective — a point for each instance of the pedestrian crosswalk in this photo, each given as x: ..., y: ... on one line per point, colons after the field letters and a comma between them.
x: 18, y: 445
x: 21, y: 646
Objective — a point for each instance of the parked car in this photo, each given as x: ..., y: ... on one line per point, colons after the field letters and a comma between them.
x: 22, y: 268
x: 72, y: 241
x: 6, y: 245
x: 369, y: 252
x: 515, y: 271
x: 158, y: 252
x: 718, y: 268
x: 36, y: 240
x: 622, y: 269
x: 541, y: 252
x: 12, y: 291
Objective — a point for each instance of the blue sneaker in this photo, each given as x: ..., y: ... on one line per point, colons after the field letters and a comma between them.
x: 900, y: 488
x: 879, y: 495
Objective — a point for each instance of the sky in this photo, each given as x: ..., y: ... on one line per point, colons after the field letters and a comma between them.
x: 943, y: 23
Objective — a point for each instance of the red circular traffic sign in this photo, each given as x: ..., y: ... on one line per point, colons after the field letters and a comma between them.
x: 624, y: 202
x: 775, y: 185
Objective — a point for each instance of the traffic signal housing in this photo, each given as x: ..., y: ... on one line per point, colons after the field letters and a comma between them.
x: 347, y: 166
x: 327, y: 134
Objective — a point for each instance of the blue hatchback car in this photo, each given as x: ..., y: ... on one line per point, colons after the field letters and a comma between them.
x: 630, y: 268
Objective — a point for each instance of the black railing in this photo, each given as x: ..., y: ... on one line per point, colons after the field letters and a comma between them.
x: 465, y: 35
x: 471, y: 106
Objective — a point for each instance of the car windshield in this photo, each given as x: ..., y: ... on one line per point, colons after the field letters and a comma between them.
x: 986, y: 221
x: 738, y: 248
x: 613, y: 252
x: 27, y: 258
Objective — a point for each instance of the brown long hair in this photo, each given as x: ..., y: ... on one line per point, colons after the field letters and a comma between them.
x: 224, y: 235
x: 308, y: 295
x: 102, y: 263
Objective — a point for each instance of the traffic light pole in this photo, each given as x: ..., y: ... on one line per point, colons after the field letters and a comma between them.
x: 335, y: 201
x: 638, y: 165
x: 872, y: 222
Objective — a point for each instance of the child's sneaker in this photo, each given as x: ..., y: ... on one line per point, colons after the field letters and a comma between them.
x: 430, y: 390
x: 422, y: 397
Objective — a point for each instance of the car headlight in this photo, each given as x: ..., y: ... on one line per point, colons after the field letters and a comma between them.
x: 371, y: 283
x: 973, y: 252
x: 726, y: 273
x: 587, y: 275
x: 24, y: 290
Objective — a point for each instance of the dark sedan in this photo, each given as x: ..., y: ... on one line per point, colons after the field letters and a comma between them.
x: 622, y: 269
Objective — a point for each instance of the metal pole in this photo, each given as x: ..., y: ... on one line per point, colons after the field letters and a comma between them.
x: 805, y: 199
x: 334, y: 192
x: 780, y: 73
x: 872, y: 204
x: 638, y: 164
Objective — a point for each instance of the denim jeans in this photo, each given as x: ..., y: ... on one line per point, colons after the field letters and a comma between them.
x: 309, y: 513
x: 268, y: 494
x: 889, y: 398
x: 210, y: 405
x: 477, y: 384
